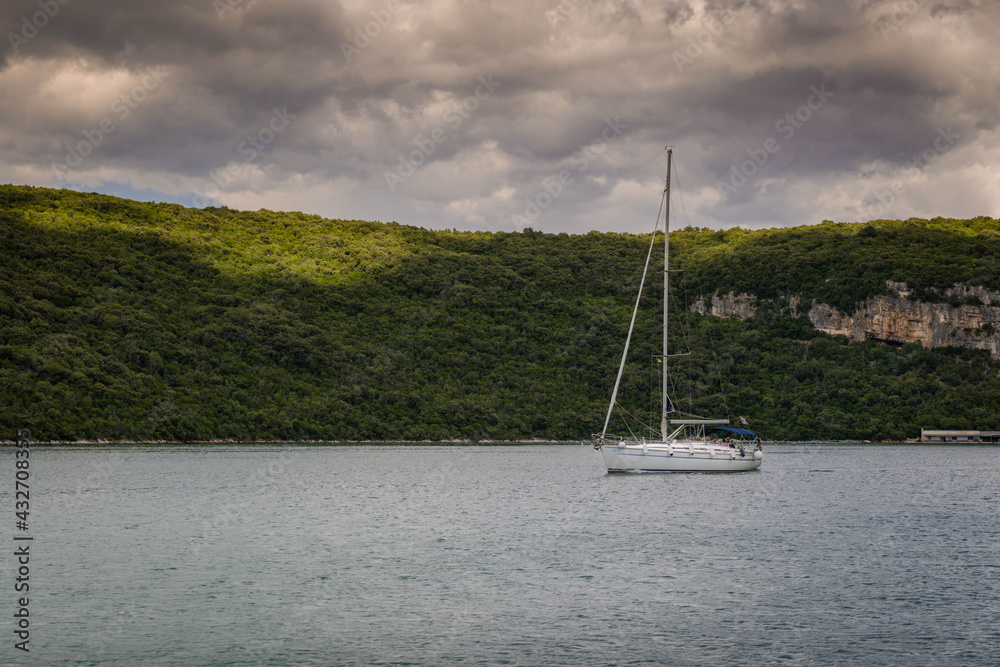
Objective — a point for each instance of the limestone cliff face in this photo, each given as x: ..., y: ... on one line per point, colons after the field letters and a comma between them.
x: 729, y: 305
x: 894, y: 319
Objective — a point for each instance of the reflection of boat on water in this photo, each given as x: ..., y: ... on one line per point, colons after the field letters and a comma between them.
x: 684, y: 445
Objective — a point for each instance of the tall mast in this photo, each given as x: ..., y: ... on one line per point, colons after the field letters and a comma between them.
x: 666, y: 292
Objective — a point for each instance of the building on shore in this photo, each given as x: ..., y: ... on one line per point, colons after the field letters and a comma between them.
x: 927, y: 435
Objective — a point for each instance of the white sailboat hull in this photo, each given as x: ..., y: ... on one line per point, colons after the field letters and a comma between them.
x: 678, y: 457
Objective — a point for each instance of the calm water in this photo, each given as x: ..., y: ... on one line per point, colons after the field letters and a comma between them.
x: 248, y: 555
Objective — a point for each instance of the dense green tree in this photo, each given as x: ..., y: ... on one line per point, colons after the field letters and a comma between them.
x: 130, y: 320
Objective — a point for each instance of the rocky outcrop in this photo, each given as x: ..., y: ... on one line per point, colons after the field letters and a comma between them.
x: 729, y: 305
x: 896, y: 318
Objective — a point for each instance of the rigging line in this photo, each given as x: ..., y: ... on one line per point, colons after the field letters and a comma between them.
x: 685, y: 331
x: 718, y: 373
x: 718, y: 368
x: 722, y: 386
x: 703, y: 296
x: 635, y: 311
x: 680, y: 192
x: 625, y: 422
x: 676, y: 389
x: 631, y: 433
x: 637, y: 419
x: 689, y: 394
x: 684, y: 292
x: 653, y: 372
x: 685, y: 323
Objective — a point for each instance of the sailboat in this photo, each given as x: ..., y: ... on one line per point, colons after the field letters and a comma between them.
x: 683, y: 445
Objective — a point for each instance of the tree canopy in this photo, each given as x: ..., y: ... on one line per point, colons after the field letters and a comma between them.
x: 139, y: 321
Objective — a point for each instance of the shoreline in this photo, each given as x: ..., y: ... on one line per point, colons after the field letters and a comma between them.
x: 100, y: 442
x: 230, y: 441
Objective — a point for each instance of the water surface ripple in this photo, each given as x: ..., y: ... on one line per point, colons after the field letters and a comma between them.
x: 434, y: 555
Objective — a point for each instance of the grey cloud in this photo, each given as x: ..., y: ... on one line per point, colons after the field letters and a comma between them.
x: 363, y: 100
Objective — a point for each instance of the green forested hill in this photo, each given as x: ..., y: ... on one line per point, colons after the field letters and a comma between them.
x: 843, y: 264
x: 128, y: 320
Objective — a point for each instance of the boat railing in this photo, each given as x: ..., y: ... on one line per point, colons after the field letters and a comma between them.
x: 611, y: 439
x: 699, y: 443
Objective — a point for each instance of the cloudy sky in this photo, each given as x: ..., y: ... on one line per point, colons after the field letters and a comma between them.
x: 497, y: 115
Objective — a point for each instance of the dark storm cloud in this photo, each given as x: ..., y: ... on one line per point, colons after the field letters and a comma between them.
x: 386, y: 113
